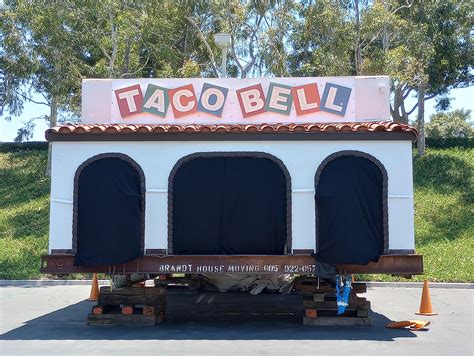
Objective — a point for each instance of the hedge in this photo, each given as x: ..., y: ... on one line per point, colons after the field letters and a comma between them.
x: 430, y: 143
x: 7, y: 147
x: 449, y: 142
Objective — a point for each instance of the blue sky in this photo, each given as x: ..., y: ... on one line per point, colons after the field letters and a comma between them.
x: 463, y: 98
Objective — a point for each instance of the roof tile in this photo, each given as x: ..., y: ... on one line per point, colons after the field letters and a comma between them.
x: 140, y: 129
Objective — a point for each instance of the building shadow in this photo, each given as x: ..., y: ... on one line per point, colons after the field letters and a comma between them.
x: 215, y: 316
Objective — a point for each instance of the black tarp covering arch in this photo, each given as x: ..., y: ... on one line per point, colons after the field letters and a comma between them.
x: 109, y: 200
x: 350, y: 215
x: 229, y: 205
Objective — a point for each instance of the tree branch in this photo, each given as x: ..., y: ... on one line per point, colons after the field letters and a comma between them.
x: 251, y: 48
x: 407, y: 6
x: 114, y: 44
x: 29, y: 99
x: 234, y: 55
x: 412, y: 109
x: 416, y: 105
x: 208, y: 47
x: 125, y: 75
x: 407, y: 93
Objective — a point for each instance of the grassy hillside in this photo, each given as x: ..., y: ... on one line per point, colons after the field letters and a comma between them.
x: 444, y: 215
x: 24, y: 213
x: 444, y: 210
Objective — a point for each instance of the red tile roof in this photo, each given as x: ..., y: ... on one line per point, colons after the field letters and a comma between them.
x: 89, y: 130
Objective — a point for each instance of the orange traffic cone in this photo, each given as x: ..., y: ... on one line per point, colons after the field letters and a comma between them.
x: 94, y: 289
x: 425, y: 306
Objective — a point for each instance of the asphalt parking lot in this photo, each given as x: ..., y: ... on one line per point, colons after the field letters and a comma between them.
x: 51, y: 320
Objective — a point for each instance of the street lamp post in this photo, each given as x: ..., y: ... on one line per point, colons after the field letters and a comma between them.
x: 223, y: 42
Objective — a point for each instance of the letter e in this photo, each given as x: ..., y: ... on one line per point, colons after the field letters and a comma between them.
x: 279, y: 99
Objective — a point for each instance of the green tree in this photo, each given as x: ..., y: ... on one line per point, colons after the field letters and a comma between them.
x: 49, y: 47
x: 426, y: 48
x: 40, y: 54
x: 323, y: 40
x: 259, y: 31
x: 456, y: 123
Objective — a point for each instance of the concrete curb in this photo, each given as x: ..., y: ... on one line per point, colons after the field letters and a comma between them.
x: 104, y: 282
x: 420, y: 285
x: 49, y: 282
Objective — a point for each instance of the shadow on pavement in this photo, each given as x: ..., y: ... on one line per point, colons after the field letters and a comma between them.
x: 217, y: 316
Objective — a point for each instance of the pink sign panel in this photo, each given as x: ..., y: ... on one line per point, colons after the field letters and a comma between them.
x: 227, y: 101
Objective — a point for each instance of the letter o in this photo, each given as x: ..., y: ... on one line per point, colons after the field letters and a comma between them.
x: 220, y: 99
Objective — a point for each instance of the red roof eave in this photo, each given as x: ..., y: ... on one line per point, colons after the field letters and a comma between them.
x: 323, y: 131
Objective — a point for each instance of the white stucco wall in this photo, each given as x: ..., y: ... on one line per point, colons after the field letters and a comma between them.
x: 301, y: 158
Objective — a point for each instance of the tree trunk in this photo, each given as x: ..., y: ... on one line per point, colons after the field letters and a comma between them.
x: 421, y: 120
x: 126, y: 65
x: 53, y: 119
x: 398, y: 111
x: 358, y: 54
x: 386, y: 37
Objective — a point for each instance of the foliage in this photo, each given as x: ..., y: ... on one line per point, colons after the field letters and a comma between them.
x: 323, y: 41
x: 25, y: 133
x: 415, y: 42
x: 426, y: 47
x: 10, y: 147
x: 24, y: 211
x: 451, y: 124
x: 444, y: 204
x: 450, y: 142
x: 49, y: 47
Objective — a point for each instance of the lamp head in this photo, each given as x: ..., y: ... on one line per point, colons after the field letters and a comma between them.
x: 222, y: 40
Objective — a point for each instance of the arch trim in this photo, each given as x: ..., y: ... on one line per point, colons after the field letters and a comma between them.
x: 382, y: 169
x: 77, y: 175
x: 191, y: 156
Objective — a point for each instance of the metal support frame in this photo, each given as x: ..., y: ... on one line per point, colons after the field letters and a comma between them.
x: 405, y: 265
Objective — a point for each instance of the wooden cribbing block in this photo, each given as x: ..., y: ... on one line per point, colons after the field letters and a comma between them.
x: 148, y: 310
x: 127, y: 310
x: 313, y: 288
x: 97, y: 310
x: 362, y: 313
x: 332, y: 304
x: 100, y: 309
x: 319, y: 297
x: 119, y: 319
x: 130, y: 299
x: 359, y: 288
x: 134, y: 291
x: 311, y: 313
x: 159, y: 317
x: 338, y: 321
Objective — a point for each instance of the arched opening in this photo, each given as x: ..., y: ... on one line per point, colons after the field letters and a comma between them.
x: 351, y: 209
x: 229, y: 204
x: 109, y: 211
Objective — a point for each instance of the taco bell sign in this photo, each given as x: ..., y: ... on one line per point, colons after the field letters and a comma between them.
x: 227, y: 101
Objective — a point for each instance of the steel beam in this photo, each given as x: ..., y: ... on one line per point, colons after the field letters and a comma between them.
x: 289, y: 264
